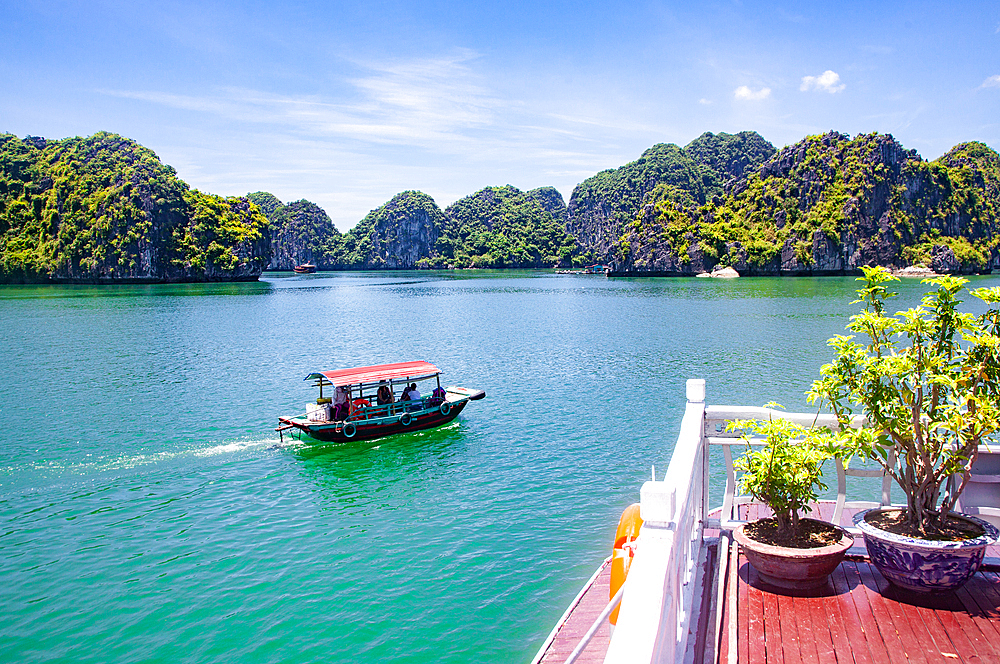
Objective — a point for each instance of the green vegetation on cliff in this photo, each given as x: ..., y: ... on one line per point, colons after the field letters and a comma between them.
x: 496, y: 227
x: 602, y: 206
x: 622, y: 191
x: 104, y: 208
x: 724, y: 158
x: 505, y: 227
x: 398, y: 234
x: 301, y: 232
x: 832, y: 203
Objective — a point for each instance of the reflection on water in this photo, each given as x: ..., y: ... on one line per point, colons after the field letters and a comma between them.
x: 47, y: 291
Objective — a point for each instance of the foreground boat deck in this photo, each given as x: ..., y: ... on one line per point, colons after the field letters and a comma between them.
x: 858, y: 618
x: 578, y: 619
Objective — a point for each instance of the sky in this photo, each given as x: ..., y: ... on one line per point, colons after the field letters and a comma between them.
x: 348, y: 103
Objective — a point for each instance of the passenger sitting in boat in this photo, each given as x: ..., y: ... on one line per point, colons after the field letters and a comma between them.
x: 340, y: 404
x: 384, y: 395
x: 412, y: 393
x: 405, y: 396
x: 438, y: 395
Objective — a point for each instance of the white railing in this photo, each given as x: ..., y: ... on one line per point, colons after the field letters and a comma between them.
x: 659, y: 592
x: 658, y: 616
x: 716, y: 418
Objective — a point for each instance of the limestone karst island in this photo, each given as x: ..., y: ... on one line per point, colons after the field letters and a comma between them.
x: 104, y: 209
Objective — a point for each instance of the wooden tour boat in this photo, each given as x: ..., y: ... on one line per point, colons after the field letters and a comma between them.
x: 363, y: 418
x: 305, y: 268
x: 690, y: 596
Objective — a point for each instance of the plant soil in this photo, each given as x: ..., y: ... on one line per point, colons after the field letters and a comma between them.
x: 954, y: 529
x: 812, y: 534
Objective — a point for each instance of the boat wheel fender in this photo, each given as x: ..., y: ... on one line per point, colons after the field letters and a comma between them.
x: 350, y: 429
x: 445, y: 408
x: 624, y: 549
x: 405, y: 419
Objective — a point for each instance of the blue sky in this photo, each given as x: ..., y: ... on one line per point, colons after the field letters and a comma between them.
x: 346, y: 104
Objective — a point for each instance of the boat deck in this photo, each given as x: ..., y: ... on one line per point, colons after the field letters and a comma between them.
x: 578, y: 619
x: 861, y: 617
x: 858, y: 618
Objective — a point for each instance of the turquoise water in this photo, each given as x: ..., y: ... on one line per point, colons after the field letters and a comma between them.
x: 148, y: 511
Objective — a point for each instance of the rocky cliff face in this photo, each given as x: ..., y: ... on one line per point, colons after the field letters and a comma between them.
x: 827, y: 205
x: 506, y: 227
x: 601, y: 206
x: 551, y: 201
x: 397, y: 235
x: 301, y: 232
x: 104, y: 209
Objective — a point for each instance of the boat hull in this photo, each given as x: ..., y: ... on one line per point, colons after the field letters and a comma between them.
x: 336, y: 432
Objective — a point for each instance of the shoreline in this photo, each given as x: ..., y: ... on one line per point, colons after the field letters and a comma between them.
x: 911, y: 272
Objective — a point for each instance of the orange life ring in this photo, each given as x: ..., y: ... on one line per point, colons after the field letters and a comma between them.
x: 357, y: 405
x: 623, y: 552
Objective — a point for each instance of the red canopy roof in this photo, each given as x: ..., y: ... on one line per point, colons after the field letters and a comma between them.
x: 400, y: 370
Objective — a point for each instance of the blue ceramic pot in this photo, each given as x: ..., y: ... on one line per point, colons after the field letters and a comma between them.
x: 925, y: 565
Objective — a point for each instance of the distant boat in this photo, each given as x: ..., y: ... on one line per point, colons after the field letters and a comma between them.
x: 305, y: 268
x: 364, y: 418
x: 590, y: 269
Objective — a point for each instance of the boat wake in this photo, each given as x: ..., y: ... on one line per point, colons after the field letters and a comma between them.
x: 31, y: 472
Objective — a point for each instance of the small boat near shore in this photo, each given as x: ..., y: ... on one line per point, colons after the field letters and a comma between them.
x: 305, y: 268
x: 366, y: 404
x: 597, y: 268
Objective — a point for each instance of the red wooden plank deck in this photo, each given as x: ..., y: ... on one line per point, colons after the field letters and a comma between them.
x: 580, y: 619
x: 860, y: 618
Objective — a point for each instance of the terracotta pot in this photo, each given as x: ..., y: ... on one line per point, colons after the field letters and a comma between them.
x: 794, y: 569
x: 925, y: 565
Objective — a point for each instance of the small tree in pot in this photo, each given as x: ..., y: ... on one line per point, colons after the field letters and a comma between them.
x: 786, y: 475
x: 927, y: 381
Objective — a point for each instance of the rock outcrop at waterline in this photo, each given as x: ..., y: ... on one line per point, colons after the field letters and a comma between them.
x: 104, y: 209
x: 496, y: 227
x: 827, y: 205
x: 603, y: 205
x: 397, y: 235
x: 300, y: 232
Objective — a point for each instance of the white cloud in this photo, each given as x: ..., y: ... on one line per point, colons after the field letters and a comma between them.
x: 743, y: 92
x: 991, y: 82
x: 437, y: 124
x: 704, y: 101
x: 827, y: 82
x: 425, y: 102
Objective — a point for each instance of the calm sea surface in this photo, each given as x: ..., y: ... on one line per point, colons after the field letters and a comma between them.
x: 149, y: 513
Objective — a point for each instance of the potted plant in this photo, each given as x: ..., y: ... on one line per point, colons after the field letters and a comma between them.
x: 787, y: 550
x: 927, y: 381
